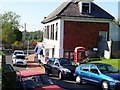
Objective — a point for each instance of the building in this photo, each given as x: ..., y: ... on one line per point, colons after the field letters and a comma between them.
x: 77, y: 23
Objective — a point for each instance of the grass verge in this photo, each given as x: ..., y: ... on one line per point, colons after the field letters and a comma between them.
x: 113, y: 62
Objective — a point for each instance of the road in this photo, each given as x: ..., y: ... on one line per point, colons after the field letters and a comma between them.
x: 66, y: 84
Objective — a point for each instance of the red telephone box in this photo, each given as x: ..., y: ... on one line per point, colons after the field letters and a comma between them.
x: 79, y: 54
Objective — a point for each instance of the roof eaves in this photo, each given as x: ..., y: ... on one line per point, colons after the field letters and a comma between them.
x: 56, y: 12
x: 50, y: 19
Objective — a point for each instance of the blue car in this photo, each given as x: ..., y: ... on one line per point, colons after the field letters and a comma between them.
x: 100, y: 74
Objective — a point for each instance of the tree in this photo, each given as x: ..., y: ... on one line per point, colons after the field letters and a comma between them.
x: 10, y: 28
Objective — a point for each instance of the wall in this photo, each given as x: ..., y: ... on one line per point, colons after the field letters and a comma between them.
x: 58, y: 44
x: 115, y: 36
x: 84, y: 34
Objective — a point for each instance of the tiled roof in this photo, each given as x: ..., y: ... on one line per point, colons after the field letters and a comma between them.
x: 71, y: 9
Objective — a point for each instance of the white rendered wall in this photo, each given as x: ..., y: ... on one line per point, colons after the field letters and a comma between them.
x: 114, y: 31
x: 58, y: 44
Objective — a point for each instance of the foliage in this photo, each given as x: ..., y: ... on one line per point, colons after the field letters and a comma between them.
x: 10, y: 28
x: 32, y: 37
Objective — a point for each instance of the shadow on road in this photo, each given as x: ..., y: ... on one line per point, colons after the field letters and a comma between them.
x: 71, y: 85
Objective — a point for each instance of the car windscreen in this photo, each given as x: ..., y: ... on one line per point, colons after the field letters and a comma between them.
x: 107, y: 69
x: 65, y: 62
x: 20, y: 57
x: 18, y: 53
x: 36, y: 81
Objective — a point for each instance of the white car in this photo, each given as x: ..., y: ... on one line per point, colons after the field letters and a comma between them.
x: 17, y: 52
x: 19, y: 59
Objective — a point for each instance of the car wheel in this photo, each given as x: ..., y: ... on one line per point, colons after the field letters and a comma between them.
x: 78, y: 80
x: 60, y: 75
x: 105, y: 85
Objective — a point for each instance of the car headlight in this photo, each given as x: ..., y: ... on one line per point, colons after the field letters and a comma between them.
x: 66, y: 70
x: 117, y: 81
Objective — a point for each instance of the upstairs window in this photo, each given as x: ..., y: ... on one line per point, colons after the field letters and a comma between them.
x: 52, y: 32
x: 47, y: 32
x: 56, y: 32
x: 85, y: 7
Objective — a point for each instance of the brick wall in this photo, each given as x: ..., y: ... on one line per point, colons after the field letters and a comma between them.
x: 84, y: 34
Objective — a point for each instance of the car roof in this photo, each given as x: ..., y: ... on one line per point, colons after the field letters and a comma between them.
x: 20, y: 54
x: 97, y: 63
x: 18, y: 51
x: 26, y: 73
x: 100, y: 63
x: 60, y: 58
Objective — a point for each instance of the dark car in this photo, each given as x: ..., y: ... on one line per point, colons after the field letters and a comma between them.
x: 8, y: 77
x: 104, y: 75
x: 60, y: 67
x: 35, y: 80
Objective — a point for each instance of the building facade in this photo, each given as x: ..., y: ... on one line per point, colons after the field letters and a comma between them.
x: 77, y: 23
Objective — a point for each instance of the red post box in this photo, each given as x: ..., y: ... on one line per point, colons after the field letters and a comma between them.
x: 79, y: 54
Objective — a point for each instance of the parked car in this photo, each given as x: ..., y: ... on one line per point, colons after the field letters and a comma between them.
x: 8, y: 77
x: 19, y: 59
x: 17, y: 52
x: 60, y: 67
x: 34, y: 80
x: 104, y: 75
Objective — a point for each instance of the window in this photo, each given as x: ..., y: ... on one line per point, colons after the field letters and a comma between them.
x: 93, y: 69
x: 102, y: 36
x: 47, y: 32
x: 66, y: 54
x: 51, y: 61
x: 71, y: 55
x: 52, y: 32
x: 85, y: 7
x: 84, y: 67
x: 56, y: 32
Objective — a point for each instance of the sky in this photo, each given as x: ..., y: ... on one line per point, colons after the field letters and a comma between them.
x: 32, y: 12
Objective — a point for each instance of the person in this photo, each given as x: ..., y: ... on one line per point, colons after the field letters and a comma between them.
x: 36, y: 58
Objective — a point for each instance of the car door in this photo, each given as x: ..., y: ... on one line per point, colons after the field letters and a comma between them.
x: 84, y: 72
x: 49, y: 66
x: 94, y: 74
x: 56, y: 68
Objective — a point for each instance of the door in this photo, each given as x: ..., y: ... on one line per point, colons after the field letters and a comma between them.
x: 94, y: 76
x: 84, y: 72
x: 55, y: 68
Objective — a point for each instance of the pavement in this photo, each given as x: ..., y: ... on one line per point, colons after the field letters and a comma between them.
x: 32, y: 65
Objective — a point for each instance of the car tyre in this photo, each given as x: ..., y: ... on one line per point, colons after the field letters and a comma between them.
x: 60, y: 76
x: 78, y: 80
x: 105, y: 85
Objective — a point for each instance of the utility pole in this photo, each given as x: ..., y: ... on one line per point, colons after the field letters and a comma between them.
x: 27, y: 39
x: 25, y: 27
